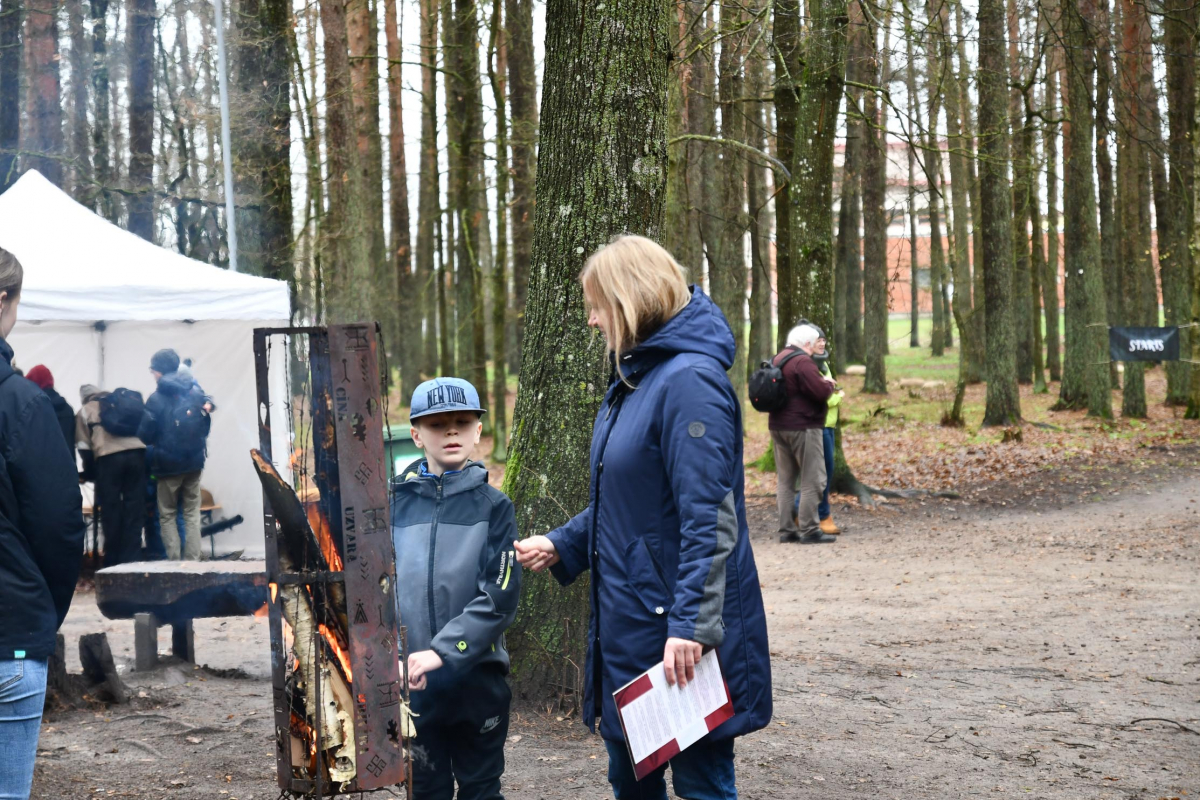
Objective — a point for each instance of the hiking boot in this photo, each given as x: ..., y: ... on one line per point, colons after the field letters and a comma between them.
x: 816, y: 538
x: 830, y: 527
x: 789, y: 537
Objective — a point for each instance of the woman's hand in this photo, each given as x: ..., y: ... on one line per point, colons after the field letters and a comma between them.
x: 420, y: 664
x: 536, y: 553
x: 680, y: 658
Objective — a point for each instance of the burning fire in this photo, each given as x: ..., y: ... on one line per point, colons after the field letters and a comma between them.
x: 320, y: 527
x: 342, y: 656
x: 262, y: 612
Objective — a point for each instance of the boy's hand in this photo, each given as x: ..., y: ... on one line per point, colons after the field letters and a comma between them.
x: 421, y: 664
x: 536, y: 553
x: 680, y: 658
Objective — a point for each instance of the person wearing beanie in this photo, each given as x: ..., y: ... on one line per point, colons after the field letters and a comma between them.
x: 117, y: 465
x: 175, y: 428
x: 44, y: 380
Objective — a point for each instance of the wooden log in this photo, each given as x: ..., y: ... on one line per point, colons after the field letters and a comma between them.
x: 145, y: 641
x: 98, y: 667
x: 178, y: 591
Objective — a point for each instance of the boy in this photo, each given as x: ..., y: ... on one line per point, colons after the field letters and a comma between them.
x: 458, y: 589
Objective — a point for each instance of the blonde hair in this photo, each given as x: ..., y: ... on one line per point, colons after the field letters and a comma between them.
x: 639, y: 284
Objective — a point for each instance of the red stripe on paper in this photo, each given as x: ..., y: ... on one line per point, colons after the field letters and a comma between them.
x: 656, y: 759
x: 633, y: 691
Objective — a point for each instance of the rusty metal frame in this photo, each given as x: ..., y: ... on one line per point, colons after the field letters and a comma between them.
x: 346, y: 387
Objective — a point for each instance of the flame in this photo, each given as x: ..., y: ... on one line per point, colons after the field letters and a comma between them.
x: 343, y: 657
x: 262, y: 612
x: 320, y: 527
x: 274, y: 591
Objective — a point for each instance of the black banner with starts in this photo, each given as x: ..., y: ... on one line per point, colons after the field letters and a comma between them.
x: 1143, y: 344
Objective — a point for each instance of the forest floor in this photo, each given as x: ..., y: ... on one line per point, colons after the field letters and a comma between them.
x: 1012, y: 640
x: 1006, y: 643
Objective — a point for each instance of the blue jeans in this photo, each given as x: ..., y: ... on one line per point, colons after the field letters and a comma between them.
x: 22, y: 694
x: 823, y: 510
x: 704, y: 771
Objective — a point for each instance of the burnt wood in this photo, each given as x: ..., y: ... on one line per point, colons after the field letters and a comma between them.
x: 176, y: 592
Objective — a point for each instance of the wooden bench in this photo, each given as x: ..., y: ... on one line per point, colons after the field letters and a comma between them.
x: 155, y: 593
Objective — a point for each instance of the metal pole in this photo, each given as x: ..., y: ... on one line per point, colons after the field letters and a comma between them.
x: 226, y: 148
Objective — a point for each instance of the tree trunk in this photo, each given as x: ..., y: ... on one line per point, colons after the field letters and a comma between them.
x: 875, y: 224
x: 1021, y: 179
x: 261, y: 138
x: 1193, y: 402
x: 850, y: 266
x: 407, y: 313
x: 522, y: 99
x: 605, y: 163
x: 914, y: 113
x: 1085, y: 374
x: 10, y: 91
x: 362, y: 31
x: 933, y: 173
x: 465, y: 102
x: 81, y: 150
x: 758, y: 189
x: 681, y: 232
x: 1050, y: 273
x: 703, y: 167
x: 1037, y: 260
x: 1175, y: 260
x: 45, y: 123
x: 1110, y: 229
x: 429, y: 187
x: 727, y: 259
x: 348, y: 270
x: 1003, y: 405
x: 978, y: 355
x: 942, y: 74
x: 140, y: 44
x: 500, y: 269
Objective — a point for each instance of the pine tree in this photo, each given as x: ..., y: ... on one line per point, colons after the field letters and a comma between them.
x: 522, y: 98
x: 140, y: 44
x: 45, y: 122
x: 496, y: 71
x: 10, y: 91
x: 875, y: 223
x: 407, y: 314
x: 428, y: 189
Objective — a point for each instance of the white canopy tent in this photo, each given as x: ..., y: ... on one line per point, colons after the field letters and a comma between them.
x: 98, y: 301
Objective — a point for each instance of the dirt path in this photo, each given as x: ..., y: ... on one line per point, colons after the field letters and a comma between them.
x: 946, y: 649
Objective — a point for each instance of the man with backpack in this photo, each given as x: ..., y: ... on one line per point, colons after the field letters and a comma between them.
x: 175, y: 427
x: 797, y: 422
x: 115, y: 459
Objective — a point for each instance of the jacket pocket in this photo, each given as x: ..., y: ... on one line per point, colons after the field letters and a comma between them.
x: 646, y: 579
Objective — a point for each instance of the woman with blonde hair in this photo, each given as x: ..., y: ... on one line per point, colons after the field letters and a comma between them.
x: 664, y: 534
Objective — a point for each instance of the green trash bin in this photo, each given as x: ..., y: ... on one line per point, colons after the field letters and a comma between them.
x: 400, y: 450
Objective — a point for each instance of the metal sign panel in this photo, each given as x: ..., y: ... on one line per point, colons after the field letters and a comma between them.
x: 370, y: 563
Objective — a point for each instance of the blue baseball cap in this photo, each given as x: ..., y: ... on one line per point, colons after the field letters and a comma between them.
x: 444, y: 394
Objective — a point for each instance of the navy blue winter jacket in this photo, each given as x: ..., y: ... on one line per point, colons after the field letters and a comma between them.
x: 172, y: 390
x: 665, y: 533
x: 41, y: 522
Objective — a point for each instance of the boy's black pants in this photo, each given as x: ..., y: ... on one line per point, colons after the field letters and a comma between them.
x: 120, y: 493
x: 461, y: 733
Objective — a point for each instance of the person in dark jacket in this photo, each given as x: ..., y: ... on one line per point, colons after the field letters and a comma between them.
x: 44, y: 380
x: 458, y: 587
x: 797, y: 431
x: 41, y: 547
x: 175, y: 428
x: 119, y: 465
x: 664, y: 534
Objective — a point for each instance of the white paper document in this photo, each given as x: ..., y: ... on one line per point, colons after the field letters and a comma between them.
x: 662, y: 713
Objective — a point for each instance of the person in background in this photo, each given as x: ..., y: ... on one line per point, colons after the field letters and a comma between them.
x: 821, y: 356
x: 42, y: 378
x: 797, y: 431
x: 175, y: 427
x: 41, y: 547
x: 119, y: 466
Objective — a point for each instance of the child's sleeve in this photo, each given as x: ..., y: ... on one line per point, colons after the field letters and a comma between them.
x: 472, y: 634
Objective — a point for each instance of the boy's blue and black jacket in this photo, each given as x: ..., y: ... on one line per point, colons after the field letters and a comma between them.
x: 457, y: 579
x: 664, y: 535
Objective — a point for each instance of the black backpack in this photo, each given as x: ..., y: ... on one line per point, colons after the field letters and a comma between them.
x: 121, y: 412
x: 185, y: 430
x: 768, y: 389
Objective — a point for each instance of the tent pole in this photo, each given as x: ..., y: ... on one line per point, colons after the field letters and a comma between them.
x: 226, y: 148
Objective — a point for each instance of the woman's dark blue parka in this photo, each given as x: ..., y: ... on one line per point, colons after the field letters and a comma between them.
x: 665, y: 533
